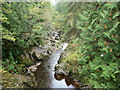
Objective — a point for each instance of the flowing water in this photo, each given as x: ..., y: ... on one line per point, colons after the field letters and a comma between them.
x: 45, y: 74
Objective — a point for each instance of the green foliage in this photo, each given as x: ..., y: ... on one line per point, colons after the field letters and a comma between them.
x: 91, y: 28
x: 23, y: 26
x: 12, y: 65
x: 71, y: 57
x: 94, y: 28
x: 26, y: 63
x: 20, y: 20
x: 100, y: 44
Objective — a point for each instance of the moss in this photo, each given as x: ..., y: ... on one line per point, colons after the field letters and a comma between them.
x: 71, y: 57
x: 10, y: 80
x: 27, y: 62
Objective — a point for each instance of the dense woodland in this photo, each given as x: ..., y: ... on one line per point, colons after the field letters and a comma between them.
x: 91, y: 29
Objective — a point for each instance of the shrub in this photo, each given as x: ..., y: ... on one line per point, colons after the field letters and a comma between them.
x: 100, y: 44
x: 12, y: 65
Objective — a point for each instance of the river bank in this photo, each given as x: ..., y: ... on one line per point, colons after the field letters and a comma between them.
x: 32, y: 57
x: 48, y: 71
x: 37, y: 55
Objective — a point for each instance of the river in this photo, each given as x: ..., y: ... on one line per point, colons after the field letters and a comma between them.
x: 45, y: 74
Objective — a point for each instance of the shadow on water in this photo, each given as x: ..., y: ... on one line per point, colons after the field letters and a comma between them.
x: 46, y: 77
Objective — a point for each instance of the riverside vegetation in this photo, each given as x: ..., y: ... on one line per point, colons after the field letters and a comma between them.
x: 91, y: 30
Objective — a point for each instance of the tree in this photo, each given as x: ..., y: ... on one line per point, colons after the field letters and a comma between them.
x: 97, y: 42
x: 23, y: 25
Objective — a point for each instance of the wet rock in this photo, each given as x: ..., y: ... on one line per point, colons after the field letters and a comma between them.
x: 48, y: 43
x: 60, y: 71
x: 57, y: 38
x: 33, y: 68
x: 59, y: 76
x: 37, y: 56
x: 68, y: 80
x: 57, y: 66
x: 53, y: 44
x: 54, y: 35
x: 49, y: 51
x: 40, y: 56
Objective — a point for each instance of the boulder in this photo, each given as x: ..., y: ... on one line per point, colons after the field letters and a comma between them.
x: 37, y: 56
x: 60, y: 71
x: 33, y: 68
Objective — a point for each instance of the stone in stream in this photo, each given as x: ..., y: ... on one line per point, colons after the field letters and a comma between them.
x: 33, y: 68
x: 54, y: 35
x: 60, y: 71
x: 57, y: 38
x: 40, y: 56
x: 37, y: 56
x: 68, y: 80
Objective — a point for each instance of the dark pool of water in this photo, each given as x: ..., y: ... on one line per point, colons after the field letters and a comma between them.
x: 46, y: 77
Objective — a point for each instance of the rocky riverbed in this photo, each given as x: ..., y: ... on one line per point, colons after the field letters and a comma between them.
x: 35, y: 55
x: 40, y: 70
x: 45, y: 69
